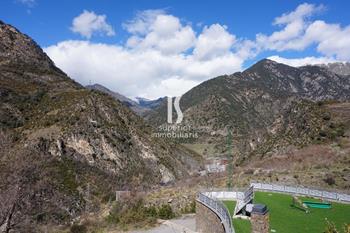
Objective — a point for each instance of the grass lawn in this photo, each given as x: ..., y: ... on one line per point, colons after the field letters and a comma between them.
x: 240, y: 225
x: 230, y: 205
x: 286, y: 219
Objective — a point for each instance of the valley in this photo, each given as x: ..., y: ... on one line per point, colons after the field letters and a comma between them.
x: 67, y: 150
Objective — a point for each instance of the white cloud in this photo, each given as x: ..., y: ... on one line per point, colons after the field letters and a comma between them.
x: 89, y: 23
x: 303, y: 11
x: 213, y: 42
x: 331, y: 39
x: 289, y: 38
x: 157, y: 30
x: 142, y: 21
x: 246, y: 49
x: 165, y: 56
x: 162, y: 56
x: 299, y: 32
x: 296, y: 62
x: 147, y: 73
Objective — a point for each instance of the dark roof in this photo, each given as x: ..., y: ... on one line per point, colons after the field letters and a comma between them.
x: 259, y: 209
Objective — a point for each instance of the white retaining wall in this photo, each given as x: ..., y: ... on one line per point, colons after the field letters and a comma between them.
x: 225, y: 195
x: 302, y: 191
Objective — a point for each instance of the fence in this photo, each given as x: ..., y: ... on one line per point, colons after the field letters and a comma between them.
x: 302, y: 191
x: 225, y: 195
x: 211, y: 199
x: 248, y: 196
x: 217, y: 207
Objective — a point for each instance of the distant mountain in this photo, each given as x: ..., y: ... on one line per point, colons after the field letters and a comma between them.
x: 141, y: 107
x: 65, y: 149
x: 150, y: 104
x: 341, y: 68
x: 266, y: 108
x: 133, y: 105
x: 116, y: 95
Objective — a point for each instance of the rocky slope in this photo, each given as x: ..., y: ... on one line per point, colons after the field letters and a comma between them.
x: 266, y: 108
x: 64, y: 148
x: 340, y: 68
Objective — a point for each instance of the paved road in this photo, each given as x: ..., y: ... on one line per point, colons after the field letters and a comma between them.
x: 186, y: 224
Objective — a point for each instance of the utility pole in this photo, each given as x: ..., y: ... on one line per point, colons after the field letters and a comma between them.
x: 229, y: 168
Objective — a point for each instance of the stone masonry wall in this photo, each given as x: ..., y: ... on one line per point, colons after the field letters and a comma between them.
x: 260, y: 223
x: 207, y: 221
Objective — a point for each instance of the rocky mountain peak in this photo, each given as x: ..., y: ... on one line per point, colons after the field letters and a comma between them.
x: 267, y: 67
x: 17, y: 48
x: 264, y: 64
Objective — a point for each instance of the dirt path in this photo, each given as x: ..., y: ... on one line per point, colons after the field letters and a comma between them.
x: 185, y: 224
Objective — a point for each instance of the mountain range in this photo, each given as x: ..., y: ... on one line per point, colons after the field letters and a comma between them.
x: 266, y: 107
x: 65, y: 148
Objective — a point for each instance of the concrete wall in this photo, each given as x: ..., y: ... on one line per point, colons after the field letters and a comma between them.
x: 229, y: 195
x: 207, y: 221
x: 332, y: 196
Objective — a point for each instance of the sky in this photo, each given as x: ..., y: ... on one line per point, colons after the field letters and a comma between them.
x: 160, y: 48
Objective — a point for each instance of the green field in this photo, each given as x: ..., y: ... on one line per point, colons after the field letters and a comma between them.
x: 230, y: 205
x: 286, y: 219
x: 240, y: 225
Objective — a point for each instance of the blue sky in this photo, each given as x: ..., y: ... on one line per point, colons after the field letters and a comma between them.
x: 210, y: 39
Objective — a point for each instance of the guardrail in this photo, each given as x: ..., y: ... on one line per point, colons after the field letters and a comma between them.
x: 217, y: 207
x: 302, y: 191
x: 224, y: 195
x: 248, y: 197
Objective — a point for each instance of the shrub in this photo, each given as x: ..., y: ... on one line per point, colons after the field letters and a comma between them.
x: 78, y: 229
x: 329, y: 180
x: 347, y: 228
x: 326, y: 117
x: 323, y: 133
x: 165, y: 212
x: 189, y: 208
x: 151, y: 212
x: 132, y: 212
x: 193, y: 206
x: 330, y: 228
